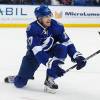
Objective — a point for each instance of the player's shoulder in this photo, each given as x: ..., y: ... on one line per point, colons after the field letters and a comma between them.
x: 58, y: 27
x: 31, y: 26
x: 56, y: 23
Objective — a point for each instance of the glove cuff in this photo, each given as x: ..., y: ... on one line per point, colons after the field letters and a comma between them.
x: 52, y: 60
x: 77, y: 54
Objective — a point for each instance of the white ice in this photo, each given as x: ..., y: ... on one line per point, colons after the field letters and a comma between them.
x: 74, y: 85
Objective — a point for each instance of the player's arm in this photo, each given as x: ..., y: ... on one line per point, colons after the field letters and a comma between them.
x: 39, y: 53
x: 72, y: 52
x: 34, y: 44
x: 65, y: 40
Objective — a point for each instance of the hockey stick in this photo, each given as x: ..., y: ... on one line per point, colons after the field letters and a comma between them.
x: 92, y: 55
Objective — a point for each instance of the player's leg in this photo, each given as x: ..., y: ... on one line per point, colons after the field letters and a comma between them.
x: 28, y: 67
x: 54, y: 70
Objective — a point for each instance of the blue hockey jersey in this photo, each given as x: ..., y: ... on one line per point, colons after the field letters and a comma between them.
x: 40, y: 40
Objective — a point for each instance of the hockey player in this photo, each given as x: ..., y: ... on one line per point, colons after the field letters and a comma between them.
x: 47, y: 43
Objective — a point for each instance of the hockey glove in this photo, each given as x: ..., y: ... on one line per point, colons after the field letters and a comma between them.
x: 80, y: 60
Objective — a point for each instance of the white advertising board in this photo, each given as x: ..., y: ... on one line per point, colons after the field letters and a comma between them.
x: 24, y: 14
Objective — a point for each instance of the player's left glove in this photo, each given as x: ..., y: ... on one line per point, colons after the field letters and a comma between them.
x: 80, y: 60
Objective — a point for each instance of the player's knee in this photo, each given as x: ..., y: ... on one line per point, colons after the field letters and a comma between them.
x: 20, y: 82
x: 60, y: 51
x: 28, y: 67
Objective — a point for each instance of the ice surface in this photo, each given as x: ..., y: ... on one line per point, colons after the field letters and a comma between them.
x: 74, y: 85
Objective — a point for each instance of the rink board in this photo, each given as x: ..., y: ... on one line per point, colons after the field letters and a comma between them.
x: 65, y: 25
x: 70, y: 16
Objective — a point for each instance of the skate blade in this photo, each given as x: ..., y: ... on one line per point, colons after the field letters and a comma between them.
x: 49, y: 90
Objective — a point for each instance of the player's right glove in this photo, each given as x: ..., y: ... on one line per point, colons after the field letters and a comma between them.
x: 80, y: 60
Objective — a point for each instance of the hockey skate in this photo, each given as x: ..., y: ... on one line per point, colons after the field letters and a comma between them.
x: 50, y: 85
x: 9, y: 79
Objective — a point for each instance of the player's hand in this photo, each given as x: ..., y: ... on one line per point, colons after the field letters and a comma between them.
x: 81, y: 62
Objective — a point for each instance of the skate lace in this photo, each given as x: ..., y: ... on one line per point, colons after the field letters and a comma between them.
x: 51, y: 80
x: 11, y: 79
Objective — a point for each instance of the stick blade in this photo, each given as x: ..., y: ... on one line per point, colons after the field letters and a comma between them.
x: 99, y: 33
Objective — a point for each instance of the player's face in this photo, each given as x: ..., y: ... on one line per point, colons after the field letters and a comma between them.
x: 46, y: 21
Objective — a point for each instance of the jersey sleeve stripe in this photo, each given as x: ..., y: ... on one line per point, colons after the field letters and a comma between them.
x: 67, y: 43
x: 36, y: 49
